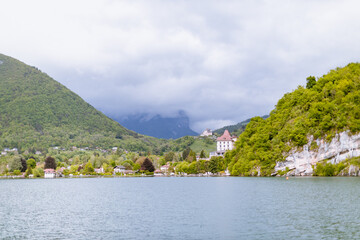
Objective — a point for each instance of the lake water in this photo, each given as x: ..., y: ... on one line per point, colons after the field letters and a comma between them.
x: 180, y: 208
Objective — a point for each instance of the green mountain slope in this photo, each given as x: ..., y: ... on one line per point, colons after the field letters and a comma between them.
x: 37, y: 112
x: 236, y: 129
x: 325, y: 107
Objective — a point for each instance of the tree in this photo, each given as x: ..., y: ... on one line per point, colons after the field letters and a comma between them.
x: 50, y: 163
x: 191, y: 157
x: 310, y: 82
x: 127, y: 166
x: 23, y: 164
x: 28, y: 171
x: 216, y: 164
x: 88, y: 168
x: 185, y: 153
x: 147, y: 165
x: 202, y: 154
x: 169, y: 156
x: 136, y: 167
x: 31, y: 163
x: 15, y: 164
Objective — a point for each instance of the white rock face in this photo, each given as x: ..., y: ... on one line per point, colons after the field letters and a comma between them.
x: 341, y: 147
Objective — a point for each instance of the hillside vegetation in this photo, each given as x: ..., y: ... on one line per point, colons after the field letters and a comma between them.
x: 236, y: 129
x: 324, y: 107
x: 37, y: 112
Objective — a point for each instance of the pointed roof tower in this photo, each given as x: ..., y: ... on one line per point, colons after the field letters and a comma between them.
x: 225, y: 137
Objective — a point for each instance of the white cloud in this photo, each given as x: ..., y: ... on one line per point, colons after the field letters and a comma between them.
x: 221, y: 62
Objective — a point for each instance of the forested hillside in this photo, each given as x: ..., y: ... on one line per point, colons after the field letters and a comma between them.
x: 324, y: 107
x: 37, y: 112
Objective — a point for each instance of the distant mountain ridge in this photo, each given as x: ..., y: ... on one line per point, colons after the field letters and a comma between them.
x: 236, y: 129
x: 158, y: 126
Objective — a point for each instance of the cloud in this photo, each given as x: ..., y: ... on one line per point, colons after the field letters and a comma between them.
x: 221, y: 62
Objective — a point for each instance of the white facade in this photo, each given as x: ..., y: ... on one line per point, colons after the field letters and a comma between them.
x: 49, y: 173
x: 119, y: 169
x: 225, y: 142
x: 223, y: 146
x: 206, y: 133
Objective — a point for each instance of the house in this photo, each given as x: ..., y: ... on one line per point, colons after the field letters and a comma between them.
x: 119, y: 169
x: 225, y: 143
x: 99, y: 170
x: 158, y: 172
x: 60, y: 171
x: 165, y: 168
x: 128, y: 172
x: 49, y: 173
x: 206, y: 133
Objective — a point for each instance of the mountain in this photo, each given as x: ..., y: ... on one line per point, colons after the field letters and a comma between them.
x: 303, y: 128
x: 158, y: 126
x: 236, y: 129
x: 37, y: 112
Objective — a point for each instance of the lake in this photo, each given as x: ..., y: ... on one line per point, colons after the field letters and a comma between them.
x: 180, y: 208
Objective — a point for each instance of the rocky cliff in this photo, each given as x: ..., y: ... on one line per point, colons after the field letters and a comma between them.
x: 343, y: 146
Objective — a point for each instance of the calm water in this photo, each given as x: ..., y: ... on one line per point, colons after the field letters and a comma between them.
x: 180, y: 208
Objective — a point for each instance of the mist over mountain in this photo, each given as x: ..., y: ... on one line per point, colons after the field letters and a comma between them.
x: 159, y: 126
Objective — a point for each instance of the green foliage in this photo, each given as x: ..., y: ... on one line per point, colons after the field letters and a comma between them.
x: 186, y: 152
x: 328, y: 169
x: 191, y: 156
x: 310, y: 82
x: 169, y: 157
x: 88, y: 169
x: 216, y: 164
x: 328, y: 106
x: 36, y: 113
x: 15, y: 164
x: 283, y: 172
x: 31, y: 163
x: 202, y: 154
x: 205, y: 144
x: 354, y: 161
x: 136, y: 167
x: 38, y: 172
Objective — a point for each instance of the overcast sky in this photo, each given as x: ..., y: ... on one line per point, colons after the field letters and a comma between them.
x: 219, y: 61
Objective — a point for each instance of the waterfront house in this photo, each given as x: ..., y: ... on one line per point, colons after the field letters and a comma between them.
x: 158, y: 172
x: 165, y: 168
x: 119, y: 169
x: 49, y: 173
x: 128, y: 172
x: 99, y: 170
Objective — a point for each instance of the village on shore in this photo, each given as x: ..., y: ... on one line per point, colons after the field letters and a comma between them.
x: 120, y: 163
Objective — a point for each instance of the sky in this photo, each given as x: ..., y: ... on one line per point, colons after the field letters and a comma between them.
x: 219, y: 61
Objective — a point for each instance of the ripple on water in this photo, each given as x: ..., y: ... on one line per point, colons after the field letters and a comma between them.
x: 180, y: 208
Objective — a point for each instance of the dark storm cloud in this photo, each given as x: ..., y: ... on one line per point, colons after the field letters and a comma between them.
x: 221, y: 62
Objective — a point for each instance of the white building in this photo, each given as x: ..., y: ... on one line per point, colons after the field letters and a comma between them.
x: 206, y: 133
x: 165, y: 168
x: 49, y: 173
x: 119, y: 169
x: 225, y: 143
